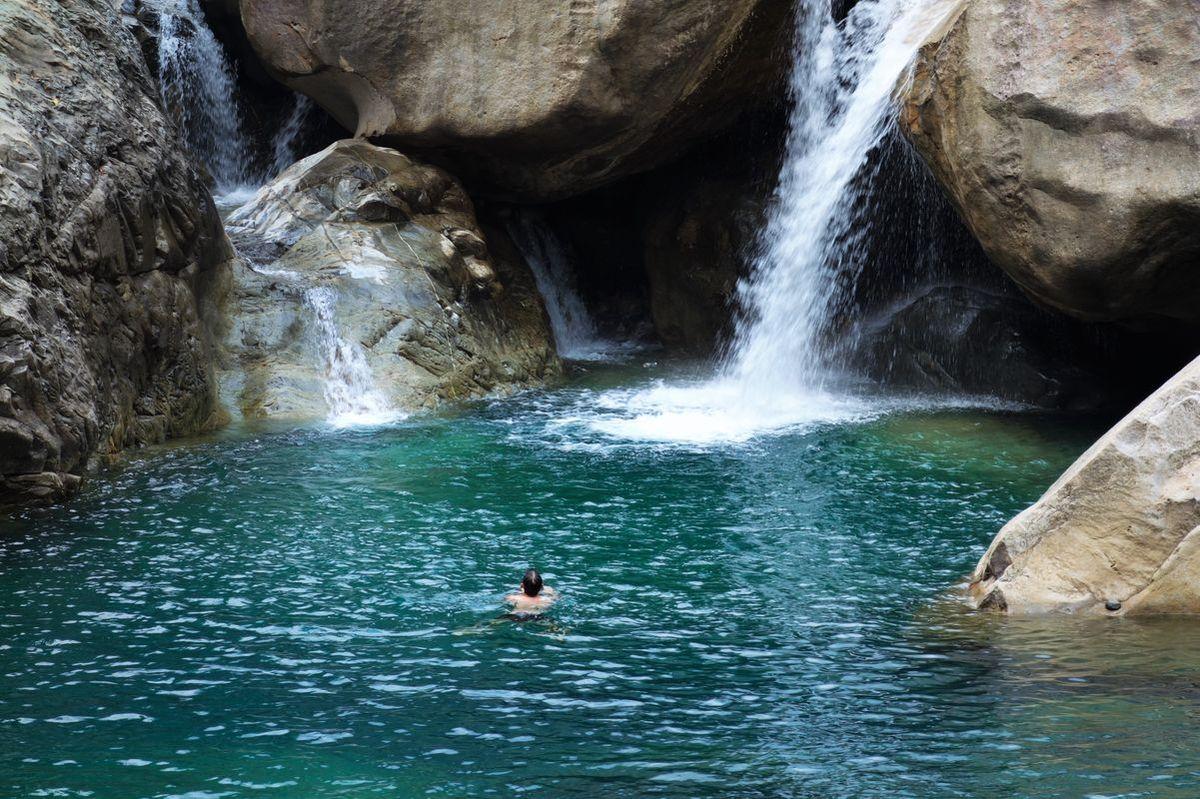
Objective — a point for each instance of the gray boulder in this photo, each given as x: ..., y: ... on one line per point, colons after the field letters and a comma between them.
x: 1068, y: 135
x: 366, y: 286
x: 106, y: 233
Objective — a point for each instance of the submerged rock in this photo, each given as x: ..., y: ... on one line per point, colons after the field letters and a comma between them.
x: 368, y: 282
x: 105, y: 233
x: 1120, y: 528
x: 1067, y: 132
x: 539, y: 99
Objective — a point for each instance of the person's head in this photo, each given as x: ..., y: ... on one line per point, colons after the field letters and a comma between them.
x: 531, y: 583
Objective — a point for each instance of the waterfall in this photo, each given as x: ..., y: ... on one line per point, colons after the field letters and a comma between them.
x: 780, y: 368
x: 350, y: 388
x: 284, y: 144
x: 198, y: 87
x: 574, y: 330
x: 841, y: 89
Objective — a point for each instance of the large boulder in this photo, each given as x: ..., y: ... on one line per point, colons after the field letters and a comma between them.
x: 1068, y: 134
x: 1119, y: 532
x: 538, y: 99
x: 105, y: 231
x: 367, y: 284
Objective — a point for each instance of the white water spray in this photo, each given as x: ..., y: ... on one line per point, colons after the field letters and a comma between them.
x: 574, y: 330
x: 199, y: 87
x: 350, y: 388
x: 779, y: 369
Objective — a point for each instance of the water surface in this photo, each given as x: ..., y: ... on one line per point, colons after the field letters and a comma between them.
x: 312, y: 613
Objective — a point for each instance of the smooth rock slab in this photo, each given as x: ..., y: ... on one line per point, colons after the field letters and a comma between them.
x: 390, y: 249
x: 1120, y: 525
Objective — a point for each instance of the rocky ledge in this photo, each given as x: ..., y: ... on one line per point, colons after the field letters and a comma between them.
x: 539, y: 99
x: 1067, y: 132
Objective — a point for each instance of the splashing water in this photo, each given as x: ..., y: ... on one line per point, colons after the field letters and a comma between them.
x: 574, y: 330
x: 842, y: 90
x: 350, y: 388
x: 198, y: 87
x: 780, y: 369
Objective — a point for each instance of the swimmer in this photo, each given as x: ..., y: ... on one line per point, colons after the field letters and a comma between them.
x: 533, y: 597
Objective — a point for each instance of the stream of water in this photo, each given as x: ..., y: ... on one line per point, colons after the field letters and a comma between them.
x: 199, y: 88
x: 350, y: 390
x: 575, y: 334
x: 782, y: 368
x: 315, y: 613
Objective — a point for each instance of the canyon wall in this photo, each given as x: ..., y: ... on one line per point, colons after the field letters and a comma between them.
x: 107, y: 233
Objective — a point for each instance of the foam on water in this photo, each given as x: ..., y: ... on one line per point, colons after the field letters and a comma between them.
x: 714, y: 413
x: 690, y: 413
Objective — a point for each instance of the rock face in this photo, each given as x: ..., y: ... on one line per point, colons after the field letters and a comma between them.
x: 367, y: 282
x: 701, y: 222
x: 1122, y: 525
x: 105, y: 231
x: 540, y: 99
x: 1068, y: 134
x: 969, y: 340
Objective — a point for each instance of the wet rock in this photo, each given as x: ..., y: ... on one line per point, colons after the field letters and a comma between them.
x: 107, y: 233
x: 1122, y: 525
x: 391, y: 251
x: 975, y: 341
x: 536, y: 99
x: 1067, y: 132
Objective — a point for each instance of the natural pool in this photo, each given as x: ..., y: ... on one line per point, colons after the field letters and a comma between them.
x: 309, y: 613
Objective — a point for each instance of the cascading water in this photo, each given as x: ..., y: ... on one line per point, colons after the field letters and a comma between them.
x: 283, y: 147
x: 350, y: 388
x: 841, y: 86
x: 199, y: 87
x: 574, y: 330
x: 780, y: 366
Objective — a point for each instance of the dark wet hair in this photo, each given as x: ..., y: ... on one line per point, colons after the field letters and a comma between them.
x: 531, y: 583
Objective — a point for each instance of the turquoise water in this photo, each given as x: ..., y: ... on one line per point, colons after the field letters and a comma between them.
x: 312, y: 613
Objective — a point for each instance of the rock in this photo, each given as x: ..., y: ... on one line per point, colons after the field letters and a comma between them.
x: 974, y: 341
x: 1067, y: 132
x: 1122, y: 525
x: 362, y: 244
x: 537, y: 99
x: 701, y: 220
x: 105, y: 232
